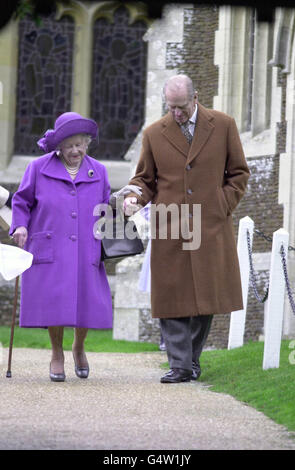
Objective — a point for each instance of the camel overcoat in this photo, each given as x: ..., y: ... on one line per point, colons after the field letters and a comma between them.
x: 213, y: 173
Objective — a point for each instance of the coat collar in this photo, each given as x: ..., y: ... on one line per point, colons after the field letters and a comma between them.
x: 54, y: 168
x: 203, y: 129
x: 171, y: 130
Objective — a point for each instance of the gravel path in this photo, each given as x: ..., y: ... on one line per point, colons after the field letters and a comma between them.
x: 122, y: 405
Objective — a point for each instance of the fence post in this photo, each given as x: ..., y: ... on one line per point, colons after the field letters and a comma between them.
x: 238, y: 318
x: 275, y: 305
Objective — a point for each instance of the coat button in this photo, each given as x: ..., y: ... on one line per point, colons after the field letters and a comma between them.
x: 74, y: 215
x: 73, y: 192
x: 189, y: 191
x: 73, y: 238
x: 188, y: 167
x: 48, y: 235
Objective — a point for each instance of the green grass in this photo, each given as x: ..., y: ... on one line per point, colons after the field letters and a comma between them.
x: 96, y: 341
x: 237, y: 372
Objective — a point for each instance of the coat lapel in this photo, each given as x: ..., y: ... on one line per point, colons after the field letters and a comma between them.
x: 87, y: 172
x: 55, y: 169
x: 203, y: 130
x: 172, y: 132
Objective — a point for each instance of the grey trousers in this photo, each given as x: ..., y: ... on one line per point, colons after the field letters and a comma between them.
x: 184, y: 339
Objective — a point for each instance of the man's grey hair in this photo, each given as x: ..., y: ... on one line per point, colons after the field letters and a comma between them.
x: 177, y: 82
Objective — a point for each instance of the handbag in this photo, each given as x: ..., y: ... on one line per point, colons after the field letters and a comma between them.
x: 122, y: 240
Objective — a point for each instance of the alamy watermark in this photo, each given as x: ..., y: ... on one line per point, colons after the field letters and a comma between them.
x: 171, y: 222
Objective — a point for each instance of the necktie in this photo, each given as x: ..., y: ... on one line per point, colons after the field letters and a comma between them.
x: 186, y: 132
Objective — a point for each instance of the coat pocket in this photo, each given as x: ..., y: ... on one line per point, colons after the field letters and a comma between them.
x: 41, y: 247
x: 222, y: 202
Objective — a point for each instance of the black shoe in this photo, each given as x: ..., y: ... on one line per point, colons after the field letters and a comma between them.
x: 176, y: 376
x: 196, y: 371
x: 82, y: 372
x: 56, y: 377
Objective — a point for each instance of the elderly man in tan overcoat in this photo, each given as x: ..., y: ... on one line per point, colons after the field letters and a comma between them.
x: 192, y: 157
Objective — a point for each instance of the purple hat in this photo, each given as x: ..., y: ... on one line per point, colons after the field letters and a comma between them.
x: 67, y: 125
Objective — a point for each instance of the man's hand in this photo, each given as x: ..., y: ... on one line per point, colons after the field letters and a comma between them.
x: 130, y: 206
x: 20, y: 236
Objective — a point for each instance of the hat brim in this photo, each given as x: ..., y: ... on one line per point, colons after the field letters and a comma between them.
x: 70, y: 128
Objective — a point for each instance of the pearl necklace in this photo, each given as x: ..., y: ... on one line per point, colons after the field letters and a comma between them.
x: 71, y: 170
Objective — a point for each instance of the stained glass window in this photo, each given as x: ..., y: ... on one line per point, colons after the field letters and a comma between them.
x: 118, y: 84
x: 44, y: 79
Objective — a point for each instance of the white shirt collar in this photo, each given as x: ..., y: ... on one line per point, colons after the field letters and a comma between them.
x: 193, y: 118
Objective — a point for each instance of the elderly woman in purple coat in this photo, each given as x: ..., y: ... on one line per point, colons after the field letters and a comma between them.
x: 53, y: 219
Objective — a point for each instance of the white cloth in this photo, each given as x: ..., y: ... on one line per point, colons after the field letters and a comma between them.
x: 5, y: 217
x: 129, y: 188
x: 193, y: 120
x: 4, y: 195
x: 13, y: 261
x: 144, y: 283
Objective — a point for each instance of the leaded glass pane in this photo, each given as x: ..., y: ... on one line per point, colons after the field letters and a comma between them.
x: 118, y: 84
x: 44, y: 79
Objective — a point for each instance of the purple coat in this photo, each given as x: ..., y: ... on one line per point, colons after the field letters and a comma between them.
x: 66, y: 284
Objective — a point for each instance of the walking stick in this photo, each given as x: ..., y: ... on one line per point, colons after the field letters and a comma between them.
x: 8, y: 373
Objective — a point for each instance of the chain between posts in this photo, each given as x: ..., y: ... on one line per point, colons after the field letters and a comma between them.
x: 268, y: 238
x: 252, y: 274
x: 289, y: 291
x: 284, y: 265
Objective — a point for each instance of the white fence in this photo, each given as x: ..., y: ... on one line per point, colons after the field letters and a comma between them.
x: 274, y: 306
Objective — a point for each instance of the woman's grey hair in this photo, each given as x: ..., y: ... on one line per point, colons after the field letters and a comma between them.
x: 87, y: 138
x: 177, y: 82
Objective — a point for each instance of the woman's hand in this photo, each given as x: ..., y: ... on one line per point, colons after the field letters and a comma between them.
x: 20, y: 236
x: 130, y: 206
